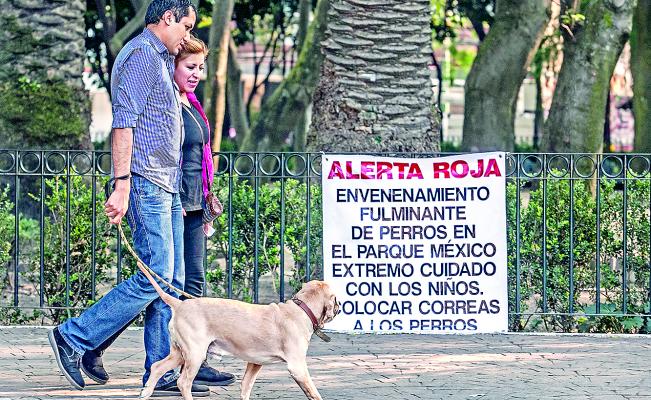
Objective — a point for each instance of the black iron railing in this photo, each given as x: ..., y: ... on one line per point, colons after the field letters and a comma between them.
x: 578, y: 232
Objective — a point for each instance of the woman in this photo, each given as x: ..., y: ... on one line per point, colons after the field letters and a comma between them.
x: 197, y: 178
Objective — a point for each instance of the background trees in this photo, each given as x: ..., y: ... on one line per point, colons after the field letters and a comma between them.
x: 387, y: 66
x: 494, y: 81
x: 286, y: 112
x: 591, y: 49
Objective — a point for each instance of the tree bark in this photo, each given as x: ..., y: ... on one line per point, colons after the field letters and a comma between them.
x: 641, y: 69
x: 214, y: 94
x: 48, y: 51
x: 135, y: 23
x: 42, y: 51
x: 375, y: 92
x: 497, y: 73
x: 577, y: 114
x: 278, y: 116
x: 234, y: 97
x: 304, y: 11
x: 220, y: 92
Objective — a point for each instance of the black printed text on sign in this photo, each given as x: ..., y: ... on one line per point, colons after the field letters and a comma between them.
x: 416, y: 245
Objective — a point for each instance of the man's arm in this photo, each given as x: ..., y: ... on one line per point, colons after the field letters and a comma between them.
x: 121, y: 146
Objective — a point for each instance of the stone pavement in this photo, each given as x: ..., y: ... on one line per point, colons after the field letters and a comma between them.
x: 387, y: 367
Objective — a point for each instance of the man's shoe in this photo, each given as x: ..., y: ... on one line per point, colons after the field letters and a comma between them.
x: 171, y: 389
x: 67, y: 359
x: 207, y: 375
x: 91, y: 364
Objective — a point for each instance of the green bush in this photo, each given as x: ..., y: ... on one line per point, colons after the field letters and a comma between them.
x: 42, y: 114
x: 79, y: 292
x: 557, y: 273
x: 7, y: 227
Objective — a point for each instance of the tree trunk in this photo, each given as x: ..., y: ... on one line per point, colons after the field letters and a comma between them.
x: 48, y: 51
x: 280, y: 115
x: 235, y: 99
x: 641, y: 68
x: 375, y: 92
x: 42, y: 51
x: 214, y: 94
x: 497, y: 73
x: 135, y: 23
x: 539, y: 117
x: 304, y: 11
x: 577, y: 114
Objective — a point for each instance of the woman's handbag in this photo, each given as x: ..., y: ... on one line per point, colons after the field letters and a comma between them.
x: 212, y: 207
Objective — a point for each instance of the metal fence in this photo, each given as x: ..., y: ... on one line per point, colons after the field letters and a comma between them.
x: 578, y: 232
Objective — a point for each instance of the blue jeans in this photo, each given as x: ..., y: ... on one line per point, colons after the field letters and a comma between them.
x: 156, y: 220
x: 193, y: 246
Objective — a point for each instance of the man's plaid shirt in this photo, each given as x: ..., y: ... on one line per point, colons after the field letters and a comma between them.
x: 146, y: 99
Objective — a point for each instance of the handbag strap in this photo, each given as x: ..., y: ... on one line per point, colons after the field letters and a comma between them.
x: 203, y: 142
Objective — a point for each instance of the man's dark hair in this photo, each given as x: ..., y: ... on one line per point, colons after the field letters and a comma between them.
x: 156, y: 9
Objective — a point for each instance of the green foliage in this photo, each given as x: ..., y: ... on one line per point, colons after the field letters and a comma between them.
x: 460, y: 64
x: 242, y: 201
x: 7, y: 226
x: 263, y: 16
x: 572, y: 18
x: 556, y: 273
x: 79, y: 293
x: 41, y: 113
x: 449, y: 17
x: 450, y: 147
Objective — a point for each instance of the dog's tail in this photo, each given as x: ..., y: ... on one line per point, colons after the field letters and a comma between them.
x: 166, y: 297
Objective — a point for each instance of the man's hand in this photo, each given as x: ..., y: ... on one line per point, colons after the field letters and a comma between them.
x: 118, y: 203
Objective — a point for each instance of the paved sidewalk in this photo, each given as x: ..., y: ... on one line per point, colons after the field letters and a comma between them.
x: 388, y: 367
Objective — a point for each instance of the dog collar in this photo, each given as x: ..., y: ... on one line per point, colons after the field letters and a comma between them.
x: 315, y: 323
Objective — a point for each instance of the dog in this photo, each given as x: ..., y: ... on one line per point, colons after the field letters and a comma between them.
x: 257, y: 334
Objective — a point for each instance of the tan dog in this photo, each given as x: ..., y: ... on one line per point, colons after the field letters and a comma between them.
x: 257, y: 334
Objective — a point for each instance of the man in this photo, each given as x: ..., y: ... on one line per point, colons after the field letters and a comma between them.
x: 146, y: 151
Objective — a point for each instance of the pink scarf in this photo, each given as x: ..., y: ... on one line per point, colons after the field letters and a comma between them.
x: 206, y: 163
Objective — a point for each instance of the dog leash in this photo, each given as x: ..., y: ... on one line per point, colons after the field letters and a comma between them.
x: 144, y: 266
x: 315, y: 324
x: 107, y: 191
x: 141, y: 264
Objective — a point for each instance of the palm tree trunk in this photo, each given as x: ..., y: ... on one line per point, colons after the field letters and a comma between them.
x: 42, y: 50
x: 375, y: 90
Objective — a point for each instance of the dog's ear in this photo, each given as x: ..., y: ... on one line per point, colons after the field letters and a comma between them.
x: 329, y: 310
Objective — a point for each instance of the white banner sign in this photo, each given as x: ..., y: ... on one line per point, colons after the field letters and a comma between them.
x: 416, y: 245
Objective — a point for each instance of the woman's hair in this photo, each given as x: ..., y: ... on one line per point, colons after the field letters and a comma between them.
x: 194, y: 45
